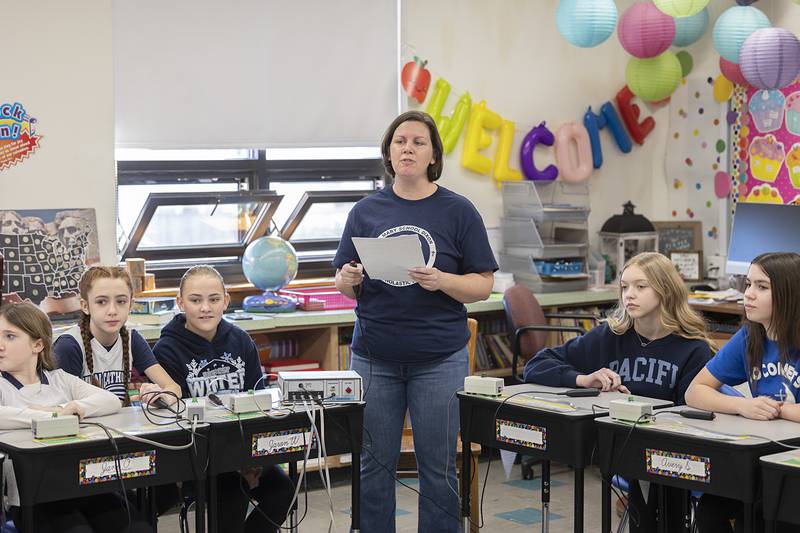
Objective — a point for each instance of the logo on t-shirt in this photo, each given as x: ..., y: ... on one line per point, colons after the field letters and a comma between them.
x: 406, y: 228
x: 786, y: 373
x: 223, y: 374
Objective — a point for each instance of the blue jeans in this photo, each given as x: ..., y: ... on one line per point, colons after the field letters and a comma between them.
x: 425, y: 390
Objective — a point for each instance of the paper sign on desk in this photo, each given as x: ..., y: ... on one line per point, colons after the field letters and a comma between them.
x: 390, y: 258
x: 103, y: 469
x: 521, y: 434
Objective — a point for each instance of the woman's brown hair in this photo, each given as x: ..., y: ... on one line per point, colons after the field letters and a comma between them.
x: 34, y: 322
x: 435, y: 168
x: 783, y: 271
x: 87, y: 281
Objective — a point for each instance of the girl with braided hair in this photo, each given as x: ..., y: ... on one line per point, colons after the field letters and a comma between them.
x: 101, y: 350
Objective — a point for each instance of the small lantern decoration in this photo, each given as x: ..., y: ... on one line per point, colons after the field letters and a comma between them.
x: 654, y: 78
x: 731, y: 71
x: 645, y: 31
x: 586, y: 23
x: 770, y: 58
x: 623, y: 236
x: 733, y: 26
x: 681, y: 8
x: 689, y: 29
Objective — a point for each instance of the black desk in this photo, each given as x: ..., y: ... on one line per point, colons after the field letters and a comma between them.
x: 567, y: 436
x: 780, y: 473
x: 52, y: 472
x: 344, y: 426
x: 728, y: 468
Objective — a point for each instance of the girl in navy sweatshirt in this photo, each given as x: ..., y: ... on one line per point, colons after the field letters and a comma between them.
x: 653, y: 344
x: 205, y: 354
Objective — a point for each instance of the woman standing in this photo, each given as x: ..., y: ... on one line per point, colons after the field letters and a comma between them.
x: 409, y: 343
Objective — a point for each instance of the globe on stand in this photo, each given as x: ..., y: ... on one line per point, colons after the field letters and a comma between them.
x: 269, y: 263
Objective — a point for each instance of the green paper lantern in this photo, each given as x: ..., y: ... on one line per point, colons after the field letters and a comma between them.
x: 686, y: 61
x: 654, y: 78
x: 681, y: 8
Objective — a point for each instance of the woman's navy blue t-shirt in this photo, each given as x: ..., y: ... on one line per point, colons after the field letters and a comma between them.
x: 403, y: 322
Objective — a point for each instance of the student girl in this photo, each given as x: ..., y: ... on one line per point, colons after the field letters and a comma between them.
x: 653, y: 344
x: 101, y: 350
x: 205, y: 354
x: 765, y: 354
x: 31, y: 388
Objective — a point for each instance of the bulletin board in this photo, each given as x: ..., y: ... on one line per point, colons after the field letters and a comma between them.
x: 766, y: 134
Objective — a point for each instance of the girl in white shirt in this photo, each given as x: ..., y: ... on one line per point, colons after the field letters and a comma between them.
x: 31, y: 387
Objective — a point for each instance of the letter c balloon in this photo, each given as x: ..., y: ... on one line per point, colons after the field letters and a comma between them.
x: 538, y: 135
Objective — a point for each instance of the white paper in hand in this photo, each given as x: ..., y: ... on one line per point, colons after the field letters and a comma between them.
x: 390, y: 258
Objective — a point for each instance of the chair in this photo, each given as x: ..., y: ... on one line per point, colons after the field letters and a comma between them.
x: 407, y: 463
x: 528, y: 324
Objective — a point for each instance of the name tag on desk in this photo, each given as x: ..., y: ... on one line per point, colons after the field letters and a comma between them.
x: 286, y: 441
x: 679, y: 465
x: 521, y: 434
x: 129, y: 465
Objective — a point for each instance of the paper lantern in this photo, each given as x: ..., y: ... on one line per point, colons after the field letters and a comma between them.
x: 770, y: 58
x: 680, y: 8
x: 586, y: 23
x: 746, y: 2
x: 733, y: 26
x: 689, y: 29
x: 731, y: 71
x: 644, y: 31
x: 654, y: 78
x: 686, y: 61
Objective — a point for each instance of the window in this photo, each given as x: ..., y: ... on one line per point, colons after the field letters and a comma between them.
x: 174, y: 212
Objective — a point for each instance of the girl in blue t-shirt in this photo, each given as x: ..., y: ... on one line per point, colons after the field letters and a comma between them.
x: 764, y: 354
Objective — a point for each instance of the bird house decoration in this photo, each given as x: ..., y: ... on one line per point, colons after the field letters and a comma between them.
x: 623, y: 236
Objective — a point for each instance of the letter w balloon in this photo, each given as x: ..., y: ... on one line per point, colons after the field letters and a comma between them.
x: 449, y: 127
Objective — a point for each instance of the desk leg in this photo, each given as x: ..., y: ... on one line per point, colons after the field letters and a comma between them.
x: 605, y: 501
x: 293, y: 510
x: 748, y: 517
x: 662, y: 509
x: 200, y: 507
x: 213, y: 510
x: 466, y: 476
x: 355, y: 493
x: 27, y: 518
x: 545, y: 496
x: 578, y: 500
x: 686, y: 501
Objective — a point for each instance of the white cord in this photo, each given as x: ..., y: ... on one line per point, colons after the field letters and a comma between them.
x: 302, y: 472
x: 148, y: 441
x: 311, y: 412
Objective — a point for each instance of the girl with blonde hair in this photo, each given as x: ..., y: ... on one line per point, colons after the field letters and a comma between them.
x: 653, y: 344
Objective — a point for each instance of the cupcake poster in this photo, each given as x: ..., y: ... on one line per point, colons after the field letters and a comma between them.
x: 769, y: 146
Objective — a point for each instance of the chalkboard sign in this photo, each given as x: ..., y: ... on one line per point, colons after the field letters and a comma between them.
x: 679, y: 236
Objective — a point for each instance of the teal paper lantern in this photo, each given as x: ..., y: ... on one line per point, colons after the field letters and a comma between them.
x: 733, y: 26
x: 586, y: 23
x: 689, y: 29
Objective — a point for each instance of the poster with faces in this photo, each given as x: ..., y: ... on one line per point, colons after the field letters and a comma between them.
x: 46, y: 251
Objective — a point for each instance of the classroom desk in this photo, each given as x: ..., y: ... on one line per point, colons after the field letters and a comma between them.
x: 51, y: 472
x: 567, y: 435
x: 706, y: 462
x: 343, y: 434
x: 780, y: 474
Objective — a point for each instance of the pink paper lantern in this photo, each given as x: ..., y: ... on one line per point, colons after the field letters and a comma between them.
x: 645, y: 31
x: 731, y: 71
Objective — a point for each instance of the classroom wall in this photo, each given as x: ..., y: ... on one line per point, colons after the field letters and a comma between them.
x: 58, y: 65
x: 510, y: 54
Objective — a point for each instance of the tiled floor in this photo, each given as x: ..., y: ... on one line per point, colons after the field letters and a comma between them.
x: 509, y: 505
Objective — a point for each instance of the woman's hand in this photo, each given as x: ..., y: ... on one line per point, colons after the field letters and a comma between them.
x: 71, y: 408
x: 604, y: 379
x: 429, y: 278
x: 760, y: 408
x: 352, y: 275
